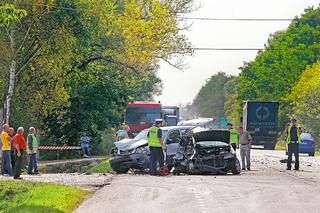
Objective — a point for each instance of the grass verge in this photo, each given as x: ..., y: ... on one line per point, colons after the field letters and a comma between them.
x: 21, y: 196
x: 102, y: 167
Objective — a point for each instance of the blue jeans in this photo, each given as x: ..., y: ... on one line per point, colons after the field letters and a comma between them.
x: 33, y: 164
x: 86, y: 151
x: 6, y: 162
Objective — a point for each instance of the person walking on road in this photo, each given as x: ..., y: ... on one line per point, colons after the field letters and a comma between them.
x: 85, y: 140
x: 233, y: 136
x: 32, y: 148
x: 156, y: 147
x: 293, y: 134
x: 245, y: 141
x: 11, y: 134
x: 6, y: 151
x: 20, y: 148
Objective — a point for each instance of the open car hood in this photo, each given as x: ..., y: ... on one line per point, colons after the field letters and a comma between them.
x: 212, y: 135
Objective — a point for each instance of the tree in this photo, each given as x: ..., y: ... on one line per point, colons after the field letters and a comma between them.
x: 305, y: 99
x: 80, y: 62
x: 9, y: 15
x: 210, y: 100
x: 274, y: 72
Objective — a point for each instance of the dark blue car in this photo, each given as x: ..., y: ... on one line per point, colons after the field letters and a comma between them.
x: 307, y: 144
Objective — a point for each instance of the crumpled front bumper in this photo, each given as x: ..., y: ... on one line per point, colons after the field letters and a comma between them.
x: 132, y: 161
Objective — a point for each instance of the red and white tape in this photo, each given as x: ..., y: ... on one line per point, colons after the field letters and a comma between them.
x: 59, y: 147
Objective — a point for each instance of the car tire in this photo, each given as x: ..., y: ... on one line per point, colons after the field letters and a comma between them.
x: 120, y: 170
x: 311, y: 154
x: 236, y: 168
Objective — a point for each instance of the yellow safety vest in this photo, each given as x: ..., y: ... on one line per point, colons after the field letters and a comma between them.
x: 233, y: 136
x: 34, y: 144
x: 153, y: 139
x: 289, y: 136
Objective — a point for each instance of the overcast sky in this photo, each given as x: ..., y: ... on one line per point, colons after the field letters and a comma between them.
x: 181, y: 87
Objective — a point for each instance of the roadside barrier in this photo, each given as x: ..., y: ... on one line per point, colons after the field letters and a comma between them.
x: 59, y: 147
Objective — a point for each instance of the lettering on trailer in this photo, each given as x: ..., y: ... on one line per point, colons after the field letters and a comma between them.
x: 266, y: 124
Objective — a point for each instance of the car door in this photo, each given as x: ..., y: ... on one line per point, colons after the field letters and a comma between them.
x: 172, y: 142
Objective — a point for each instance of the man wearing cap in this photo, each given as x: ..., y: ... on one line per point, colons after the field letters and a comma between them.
x: 293, y: 135
x: 156, y: 147
x: 233, y: 136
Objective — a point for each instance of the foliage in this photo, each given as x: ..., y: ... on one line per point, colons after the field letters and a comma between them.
x: 210, y: 100
x: 9, y: 14
x: 78, y: 63
x: 275, y: 71
x: 305, y: 98
x: 232, y: 107
x: 38, y: 197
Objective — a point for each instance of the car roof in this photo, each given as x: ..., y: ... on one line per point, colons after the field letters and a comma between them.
x: 175, y: 127
x: 197, y: 121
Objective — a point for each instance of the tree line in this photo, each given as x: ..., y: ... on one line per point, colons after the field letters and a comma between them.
x: 286, y: 71
x: 68, y: 66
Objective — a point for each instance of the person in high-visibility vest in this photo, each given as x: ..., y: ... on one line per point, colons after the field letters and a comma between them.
x: 234, y: 138
x: 293, y: 137
x: 156, y: 147
x: 32, y: 148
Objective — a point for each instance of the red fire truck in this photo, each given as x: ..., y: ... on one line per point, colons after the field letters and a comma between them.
x: 142, y: 115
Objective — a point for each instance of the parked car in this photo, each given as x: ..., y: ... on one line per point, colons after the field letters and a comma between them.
x: 307, y: 144
x: 135, y: 154
x: 206, y: 152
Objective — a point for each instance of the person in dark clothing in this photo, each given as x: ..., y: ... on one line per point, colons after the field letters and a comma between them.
x: 156, y: 147
x: 293, y: 132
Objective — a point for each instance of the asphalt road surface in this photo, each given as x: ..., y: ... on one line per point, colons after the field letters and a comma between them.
x: 267, y: 188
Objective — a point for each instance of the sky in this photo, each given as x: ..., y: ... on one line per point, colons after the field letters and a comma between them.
x: 180, y: 87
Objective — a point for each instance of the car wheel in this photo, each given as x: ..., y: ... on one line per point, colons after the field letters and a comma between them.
x: 311, y: 154
x: 121, y: 170
x: 236, y: 168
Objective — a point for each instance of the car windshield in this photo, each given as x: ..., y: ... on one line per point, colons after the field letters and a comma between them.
x: 211, y: 143
x: 142, y: 115
x: 143, y: 135
x: 306, y: 136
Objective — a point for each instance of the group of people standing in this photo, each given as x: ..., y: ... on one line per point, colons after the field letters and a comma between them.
x: 14, y: 147
x: 240, y: 139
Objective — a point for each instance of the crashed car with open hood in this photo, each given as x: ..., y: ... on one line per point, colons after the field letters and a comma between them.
x: 206, y: 152
x: 135, y: 154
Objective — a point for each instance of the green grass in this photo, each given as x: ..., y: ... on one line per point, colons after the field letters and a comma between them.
x: 317, y: 153
x: 21, y: 196
x: 102, y: 167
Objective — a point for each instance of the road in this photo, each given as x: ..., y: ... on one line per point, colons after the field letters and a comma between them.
x: 267, y: 188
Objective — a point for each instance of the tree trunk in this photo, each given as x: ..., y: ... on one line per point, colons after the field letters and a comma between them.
x: 12, y: 77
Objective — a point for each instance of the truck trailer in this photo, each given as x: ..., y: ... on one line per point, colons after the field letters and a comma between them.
x: 260, y: 119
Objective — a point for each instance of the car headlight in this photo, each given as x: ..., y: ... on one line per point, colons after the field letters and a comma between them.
x: 142, y: 150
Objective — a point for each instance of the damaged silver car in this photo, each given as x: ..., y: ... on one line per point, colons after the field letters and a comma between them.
x: 206, y: 152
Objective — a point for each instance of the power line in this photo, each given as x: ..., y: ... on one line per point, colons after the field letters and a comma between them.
x: 226, y: 49
x: 181, y: 17
x: 235, y: 19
